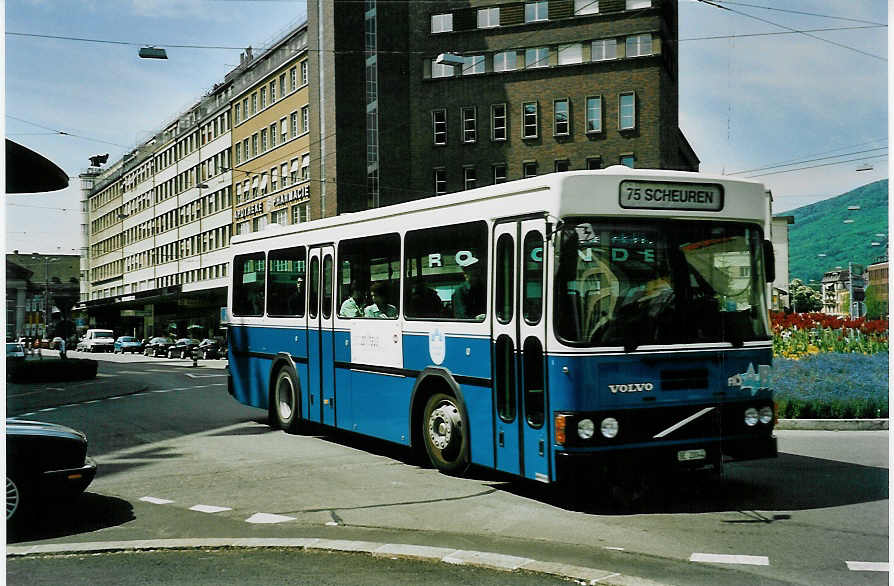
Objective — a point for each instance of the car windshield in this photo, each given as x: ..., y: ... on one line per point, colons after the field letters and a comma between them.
x: 12, y: 347
x: 630, y: 283
x: 103, y: 335
x: 127, y: 339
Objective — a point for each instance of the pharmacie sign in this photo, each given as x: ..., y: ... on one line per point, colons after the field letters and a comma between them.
x: 295, y: 195
x: 253, y: 209
x: 652, y: 195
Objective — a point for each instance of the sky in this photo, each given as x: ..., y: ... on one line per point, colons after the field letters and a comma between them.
x: 749, y: 100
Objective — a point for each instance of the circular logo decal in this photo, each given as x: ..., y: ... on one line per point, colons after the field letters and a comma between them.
x: 437, y: 346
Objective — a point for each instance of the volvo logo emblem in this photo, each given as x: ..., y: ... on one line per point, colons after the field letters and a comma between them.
x: 631, y: 388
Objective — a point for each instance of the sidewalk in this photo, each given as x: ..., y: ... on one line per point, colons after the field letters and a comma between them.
x: 833, y: 424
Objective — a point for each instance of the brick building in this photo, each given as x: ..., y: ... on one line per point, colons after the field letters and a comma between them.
x: 521, y: 88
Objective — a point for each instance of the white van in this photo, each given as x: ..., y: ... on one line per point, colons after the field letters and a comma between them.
x: 97, y: 341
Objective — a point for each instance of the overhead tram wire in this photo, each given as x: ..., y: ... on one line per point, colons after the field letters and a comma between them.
x: 777, y: 166
x: 64, y: 133
x: 770, y: 22
x: 857, y: 160
x: 799, y: 12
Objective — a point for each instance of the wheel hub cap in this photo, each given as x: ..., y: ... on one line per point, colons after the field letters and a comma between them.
x: 441, y: 425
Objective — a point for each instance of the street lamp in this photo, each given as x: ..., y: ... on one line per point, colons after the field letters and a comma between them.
x: 46, y: 289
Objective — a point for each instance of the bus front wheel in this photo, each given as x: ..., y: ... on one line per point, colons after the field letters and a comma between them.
x: 445, y: 434
x: 285, y: 402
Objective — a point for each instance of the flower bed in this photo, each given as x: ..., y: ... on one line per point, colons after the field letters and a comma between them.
x: 828, y: 367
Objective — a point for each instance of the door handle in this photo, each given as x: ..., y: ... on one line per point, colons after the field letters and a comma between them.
x: 500, y: 435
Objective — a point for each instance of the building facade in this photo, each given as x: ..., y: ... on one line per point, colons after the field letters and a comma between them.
x: 41, y: 291
x: 438, y: 97
x: 431, y: 98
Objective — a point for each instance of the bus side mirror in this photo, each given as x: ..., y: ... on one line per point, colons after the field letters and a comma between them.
x: 769, y: 261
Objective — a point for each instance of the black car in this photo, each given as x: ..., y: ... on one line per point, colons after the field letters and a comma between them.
x: 45, y: 462
x: 158, y: 346
x: 211, y: 348
x: 183, y: 348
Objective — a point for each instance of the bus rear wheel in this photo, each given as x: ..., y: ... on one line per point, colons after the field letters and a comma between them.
x: 285, y: 402
x: 445, y: 434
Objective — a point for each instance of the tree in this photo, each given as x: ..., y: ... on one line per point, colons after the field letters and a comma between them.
x: 804, y: 299
x: 875, y: 306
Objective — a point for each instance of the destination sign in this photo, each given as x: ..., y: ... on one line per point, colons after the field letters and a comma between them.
x: 652, y: 195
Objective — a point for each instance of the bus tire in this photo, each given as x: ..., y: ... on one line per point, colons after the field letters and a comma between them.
x: 445, y: 434
x: 285, y: 402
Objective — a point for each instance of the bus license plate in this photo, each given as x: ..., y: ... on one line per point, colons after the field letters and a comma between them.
x: 689, y: 455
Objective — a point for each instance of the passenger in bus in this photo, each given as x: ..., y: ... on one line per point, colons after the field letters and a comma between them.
x: 296, y: 299
x: 353, y: 305
x: 469, y: 298
x: 424, y: 302
x: 380, y: 306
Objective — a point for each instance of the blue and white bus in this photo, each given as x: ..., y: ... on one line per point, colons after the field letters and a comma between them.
x: 592, y: 320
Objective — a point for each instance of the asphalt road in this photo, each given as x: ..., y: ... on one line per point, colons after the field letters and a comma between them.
x: 179, y: 458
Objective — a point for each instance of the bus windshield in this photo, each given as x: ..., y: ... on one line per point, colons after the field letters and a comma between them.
x: 638, y: 282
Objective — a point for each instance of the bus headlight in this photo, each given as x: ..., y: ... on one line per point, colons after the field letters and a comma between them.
x: 751, y: 417
x: 766, y: 415
x: 586, y: 428
x: 609, y: 427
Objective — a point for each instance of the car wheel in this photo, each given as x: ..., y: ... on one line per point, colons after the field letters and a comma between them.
x: 445, y: 434
x: 17, y: 496
x: 286, y: 402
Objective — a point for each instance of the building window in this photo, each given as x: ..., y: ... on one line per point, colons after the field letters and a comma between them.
x: 604, y: 49
x: 634, y: 4
x: 628, y: 161
x: 529, y: 120
x: 440, y: 179
x: 470, y: 177
x: 562, y: 165
x: 529, y: 169
x: 238, y: 153
x: 586, y: 7
x: 282, y: 85
x: 499, y: 173
x: 304, y: 73
x: 505, y: 61
x: 259, y: 223
x: 244, y: 110
x: 473, y: 64
x: 254, y: 144
x: 283, y: 130
x: 263, y: 98
x: 285, y: 174
x: 441, y: 69
x: 488, y: 17
x: 571, y: 54
x: 293, y: 79
x: 439, y: 126
x: 272, y: 92
x: 305, y: 118
x: 263, y: 140
x: 498, y: 122
x: 305, y: 167
x: 293, y: 124
x: 627, y: 111
x: 562, y: 121
x: 274, y: 178
x: 293, y: 170
x: 536, y: 57
x: 594, y: 114
x: 594, y: 163
x: 237, y: 115
x: 280, y: 217
x: 273, y: 135
x: 254, y: 103
x: 470, y: 130
x: 639, y: 45
x: 441, y: 23
x: 536, y: 11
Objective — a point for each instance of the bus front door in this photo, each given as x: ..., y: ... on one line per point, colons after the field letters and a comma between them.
x: 522, y: 436
x: 320, y: 338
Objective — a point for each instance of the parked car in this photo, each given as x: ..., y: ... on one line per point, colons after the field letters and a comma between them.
x: 127, y: 344
x: 183, y: 348
x: 157, y: 346
x: 211, y: 348
x: 97, y: 340
x: 45, y: 462
x: 15, y: 350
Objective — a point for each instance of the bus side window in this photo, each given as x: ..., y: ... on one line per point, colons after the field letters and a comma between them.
x: 447, y: 272
x: 286, y: 281
x: 248, y: 284
x: 366, y: 266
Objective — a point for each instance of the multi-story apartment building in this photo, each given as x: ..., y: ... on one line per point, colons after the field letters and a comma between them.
x: 438, y: 97
x: 271, y: 138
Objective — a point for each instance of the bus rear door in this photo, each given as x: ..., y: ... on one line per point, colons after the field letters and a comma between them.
x: 519, y: 329
x: 320, y: 336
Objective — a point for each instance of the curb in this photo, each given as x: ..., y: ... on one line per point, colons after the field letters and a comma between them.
x: 833, y: 424
x: 480, y: 559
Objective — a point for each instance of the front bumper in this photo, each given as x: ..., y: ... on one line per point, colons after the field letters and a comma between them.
x: 69, y: 481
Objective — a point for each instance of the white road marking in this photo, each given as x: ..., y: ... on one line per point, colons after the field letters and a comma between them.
x: 868, y: 566
x: 47, y: 409
x: 155, y: 501
x: 191, y: 375
x: 268, y: 518
x: 715, y: 558
x: 614, y: 548
x: 131, y: 372
x: 105, y: 375
x: 209, y: 509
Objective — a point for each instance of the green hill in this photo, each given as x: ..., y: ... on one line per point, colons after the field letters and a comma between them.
x: 820, y: 228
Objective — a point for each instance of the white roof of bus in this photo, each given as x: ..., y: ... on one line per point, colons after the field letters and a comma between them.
x: 573, y: 204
